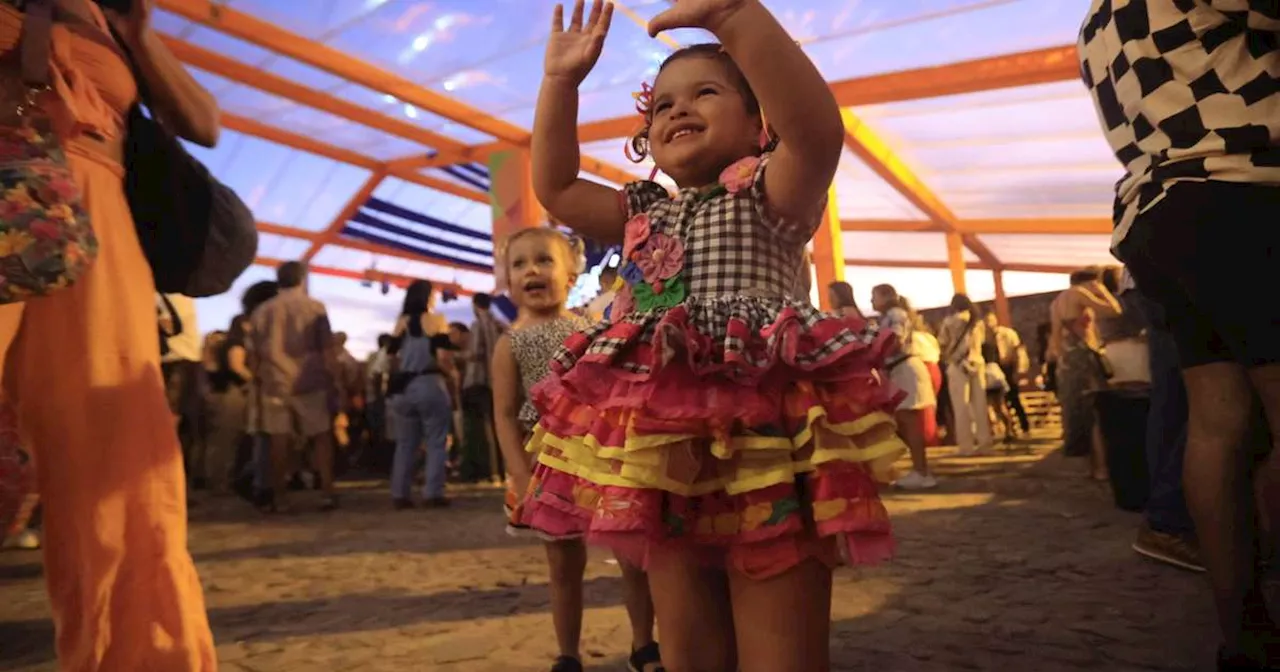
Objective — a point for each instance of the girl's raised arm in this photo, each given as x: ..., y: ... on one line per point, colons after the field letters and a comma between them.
x: 792, y: 93
x: 591, y: 209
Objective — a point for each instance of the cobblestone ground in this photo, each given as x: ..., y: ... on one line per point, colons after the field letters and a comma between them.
x: 1015, y: 562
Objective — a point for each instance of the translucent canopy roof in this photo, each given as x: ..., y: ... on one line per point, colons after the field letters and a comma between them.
x: 358, y: 131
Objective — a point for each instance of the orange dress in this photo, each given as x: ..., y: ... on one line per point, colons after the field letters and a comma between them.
x: 83, y: 367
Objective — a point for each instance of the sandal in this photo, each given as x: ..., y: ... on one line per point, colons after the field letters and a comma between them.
x: 646, y: 659
x: 567, y: 664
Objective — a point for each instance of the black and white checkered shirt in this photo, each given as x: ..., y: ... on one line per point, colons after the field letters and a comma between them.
x: 1185, y: 90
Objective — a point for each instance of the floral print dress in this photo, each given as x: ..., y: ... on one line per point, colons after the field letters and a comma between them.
x: 716, y: 410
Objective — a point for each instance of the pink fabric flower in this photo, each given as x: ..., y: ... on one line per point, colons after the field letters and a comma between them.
x: 637, y: 233
x: 623, y: 304
x: 740, y: 175
x: 45, y: 230
x: 660, y: 258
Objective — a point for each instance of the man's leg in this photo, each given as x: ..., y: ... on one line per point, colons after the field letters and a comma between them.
x: 1220, y: 495
x: 276, y: 438
x: 1077, y: 410
x: 280, y: 447
x: 314, y: 421
x: 1227, y: 338
x: 1166, y: 510
x: 1014, y: 397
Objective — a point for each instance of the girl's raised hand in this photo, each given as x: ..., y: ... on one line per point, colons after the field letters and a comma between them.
x: 705, y: 14
x: 572, y: 52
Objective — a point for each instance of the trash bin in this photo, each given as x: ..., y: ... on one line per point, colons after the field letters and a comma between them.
x: 1122, y: 417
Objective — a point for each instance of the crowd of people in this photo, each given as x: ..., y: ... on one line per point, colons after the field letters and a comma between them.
x: 279, y: 385
x: 721, y: 435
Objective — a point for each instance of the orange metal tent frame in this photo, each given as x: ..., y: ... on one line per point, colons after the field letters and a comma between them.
x: 1013, y: 70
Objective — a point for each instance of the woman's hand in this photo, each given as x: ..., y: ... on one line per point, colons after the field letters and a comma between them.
x: 133, y: 25
x: 572, y: 53
x: 706, y: 14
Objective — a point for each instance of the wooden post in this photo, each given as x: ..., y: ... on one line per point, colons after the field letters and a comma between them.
x: 828, y: 250
x: 955, y: 261
x: 1002, y: 300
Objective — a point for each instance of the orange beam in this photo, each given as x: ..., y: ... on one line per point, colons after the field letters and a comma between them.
x: 955, y: 262
x: 287, y: 231
x: 371, y: 275
x: 644, y: 24
x: 602, y: 169
x: 472, y: 153
x: 270, y: 36
x: 828, y: 250
x: 374, y: 248
x: 1002, y: 300
x: 296, y: 141
x: 1052, y: 225
x: 441, y: 185
x: 1041, y: 66
x: 344, y: 215
x: 888, y: 225
x: 357, y: 244
x: 942, y: 265
x: 279, y: 86
x: 873, y: 151
x: 304, y: 143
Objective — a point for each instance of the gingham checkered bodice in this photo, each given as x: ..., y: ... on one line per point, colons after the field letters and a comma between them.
x: 732, y: 245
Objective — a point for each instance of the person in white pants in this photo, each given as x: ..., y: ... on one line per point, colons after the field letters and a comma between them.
x: 961, y: 337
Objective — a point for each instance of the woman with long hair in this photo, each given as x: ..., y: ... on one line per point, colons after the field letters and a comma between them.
x: 842, y: 301
x: 907, y: 372
x: 418, y: 394
x: 961, y: 338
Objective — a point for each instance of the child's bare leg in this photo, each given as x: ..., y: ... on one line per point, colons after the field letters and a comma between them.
x: 567, y: 561
x: 796, y: 642
x: 692, y: 606
x: 639, y: 601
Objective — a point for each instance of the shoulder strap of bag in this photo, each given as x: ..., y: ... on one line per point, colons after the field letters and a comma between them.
x: 144, y: 92
x: 173, y: 316
x: 37, y: 34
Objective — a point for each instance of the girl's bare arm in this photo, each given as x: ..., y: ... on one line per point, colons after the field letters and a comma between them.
x: 797, y: 102
x: 588, y: 208
x: 506, y: 411
x: 591, y: 209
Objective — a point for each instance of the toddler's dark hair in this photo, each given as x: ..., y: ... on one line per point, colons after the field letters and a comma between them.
x: 639, y: 143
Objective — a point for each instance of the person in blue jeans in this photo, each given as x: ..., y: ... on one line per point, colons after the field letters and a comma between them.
x: 1167, y: 533
x: 419, y: 397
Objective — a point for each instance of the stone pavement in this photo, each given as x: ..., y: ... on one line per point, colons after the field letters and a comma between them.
x: 1016, y: 562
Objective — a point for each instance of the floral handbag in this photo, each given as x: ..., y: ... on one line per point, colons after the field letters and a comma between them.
x: 46, y: 241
